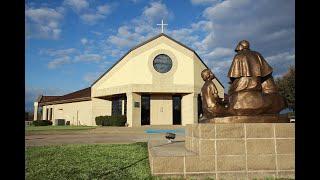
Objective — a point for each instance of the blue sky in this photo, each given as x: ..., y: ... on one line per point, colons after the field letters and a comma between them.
x: 70, y: 43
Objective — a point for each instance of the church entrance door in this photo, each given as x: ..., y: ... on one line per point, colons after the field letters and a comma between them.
x: 161, y: 109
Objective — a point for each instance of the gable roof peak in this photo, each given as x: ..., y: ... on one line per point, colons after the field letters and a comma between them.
x: 147, y: 41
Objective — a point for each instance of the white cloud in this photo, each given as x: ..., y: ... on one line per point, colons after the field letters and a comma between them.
x: 77, y: 5
x: 203, y: 2
x: 60, y: 52
x: 42, y: 15
x: 92, y: 19
x: 206, y: 44
x: 89, y: 15
x: 235, y: 20
x: 281, y: 62
x: 59, y: 62
x: 228, y: 9
x: 202, y: 26
x: 184, y: 35
x: 105, y: 64
x: 84, y: 41
x: 96, y: 33
x: 43, y: 22
x: 281, y: 58
x: 119, y: 41
x: 156, y: 11
x: 136, y: 1
x: 104, y: 9
x: 91, y: 77
x: 128, y: 37
x: 277, y: 35
x: 271, y: 34
x: 220, y: 52
x: 142, y: 27
x: 88, y: 58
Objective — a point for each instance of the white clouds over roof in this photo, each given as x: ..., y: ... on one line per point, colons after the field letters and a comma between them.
x: 44, y: 22
x: 59, y: 62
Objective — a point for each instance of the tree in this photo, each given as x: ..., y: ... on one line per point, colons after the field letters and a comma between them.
x: 286, y: 85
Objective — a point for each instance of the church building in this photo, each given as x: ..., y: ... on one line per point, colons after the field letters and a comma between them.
x: 158, y: 82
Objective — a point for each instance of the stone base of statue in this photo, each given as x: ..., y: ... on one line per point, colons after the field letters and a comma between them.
x: 274, y: 118
x: 226, y: 151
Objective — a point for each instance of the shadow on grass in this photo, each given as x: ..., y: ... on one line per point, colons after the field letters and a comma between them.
x: 125, y: 167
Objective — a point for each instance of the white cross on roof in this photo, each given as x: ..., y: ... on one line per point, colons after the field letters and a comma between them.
x: 162, y: 25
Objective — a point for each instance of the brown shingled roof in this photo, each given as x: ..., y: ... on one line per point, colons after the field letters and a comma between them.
x: 48, y: 98
x: 81, y: 95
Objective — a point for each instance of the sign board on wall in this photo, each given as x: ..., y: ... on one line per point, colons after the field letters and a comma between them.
x: 137, y: 104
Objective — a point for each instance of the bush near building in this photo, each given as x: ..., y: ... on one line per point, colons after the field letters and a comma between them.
x: 111, y: 120
x: 42, y: 123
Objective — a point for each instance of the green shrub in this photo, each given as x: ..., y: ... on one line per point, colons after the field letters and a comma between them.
x: 42, y: 123
x: 117, y: 120
x: 111, y: 120
x: 99, y: 120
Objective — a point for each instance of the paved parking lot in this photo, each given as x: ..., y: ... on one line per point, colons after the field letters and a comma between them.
x: 101, y: 135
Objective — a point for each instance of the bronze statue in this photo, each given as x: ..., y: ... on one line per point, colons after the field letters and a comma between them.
x: 252, y: 89
x: 211, y: 103
x: 253, y: 95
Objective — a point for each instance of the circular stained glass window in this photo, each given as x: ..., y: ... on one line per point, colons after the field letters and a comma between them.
x: 162, y: 63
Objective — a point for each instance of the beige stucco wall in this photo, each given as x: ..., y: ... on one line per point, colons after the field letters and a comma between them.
x: 78, y: 113
x: 161, y: 109
x: 133, y: 113
x: 189, y: 109
x: 100, y: 107
x: 44, y: 112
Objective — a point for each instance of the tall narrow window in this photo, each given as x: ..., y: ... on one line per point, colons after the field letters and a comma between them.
x: 116, y: 107
x: 176, y: 109
x: 145, y: 110
x: 125, y: 106
x: 47, y: 113
x: 51, y: 113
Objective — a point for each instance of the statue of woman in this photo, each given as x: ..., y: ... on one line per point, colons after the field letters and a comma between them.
x: 211, y: 102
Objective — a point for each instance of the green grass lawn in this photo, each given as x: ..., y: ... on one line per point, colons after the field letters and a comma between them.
x: 97, y: 161
x: 110, y: 161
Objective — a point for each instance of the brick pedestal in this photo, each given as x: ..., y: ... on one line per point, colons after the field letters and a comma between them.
x: 228, y: 151
x: 242, y: 150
